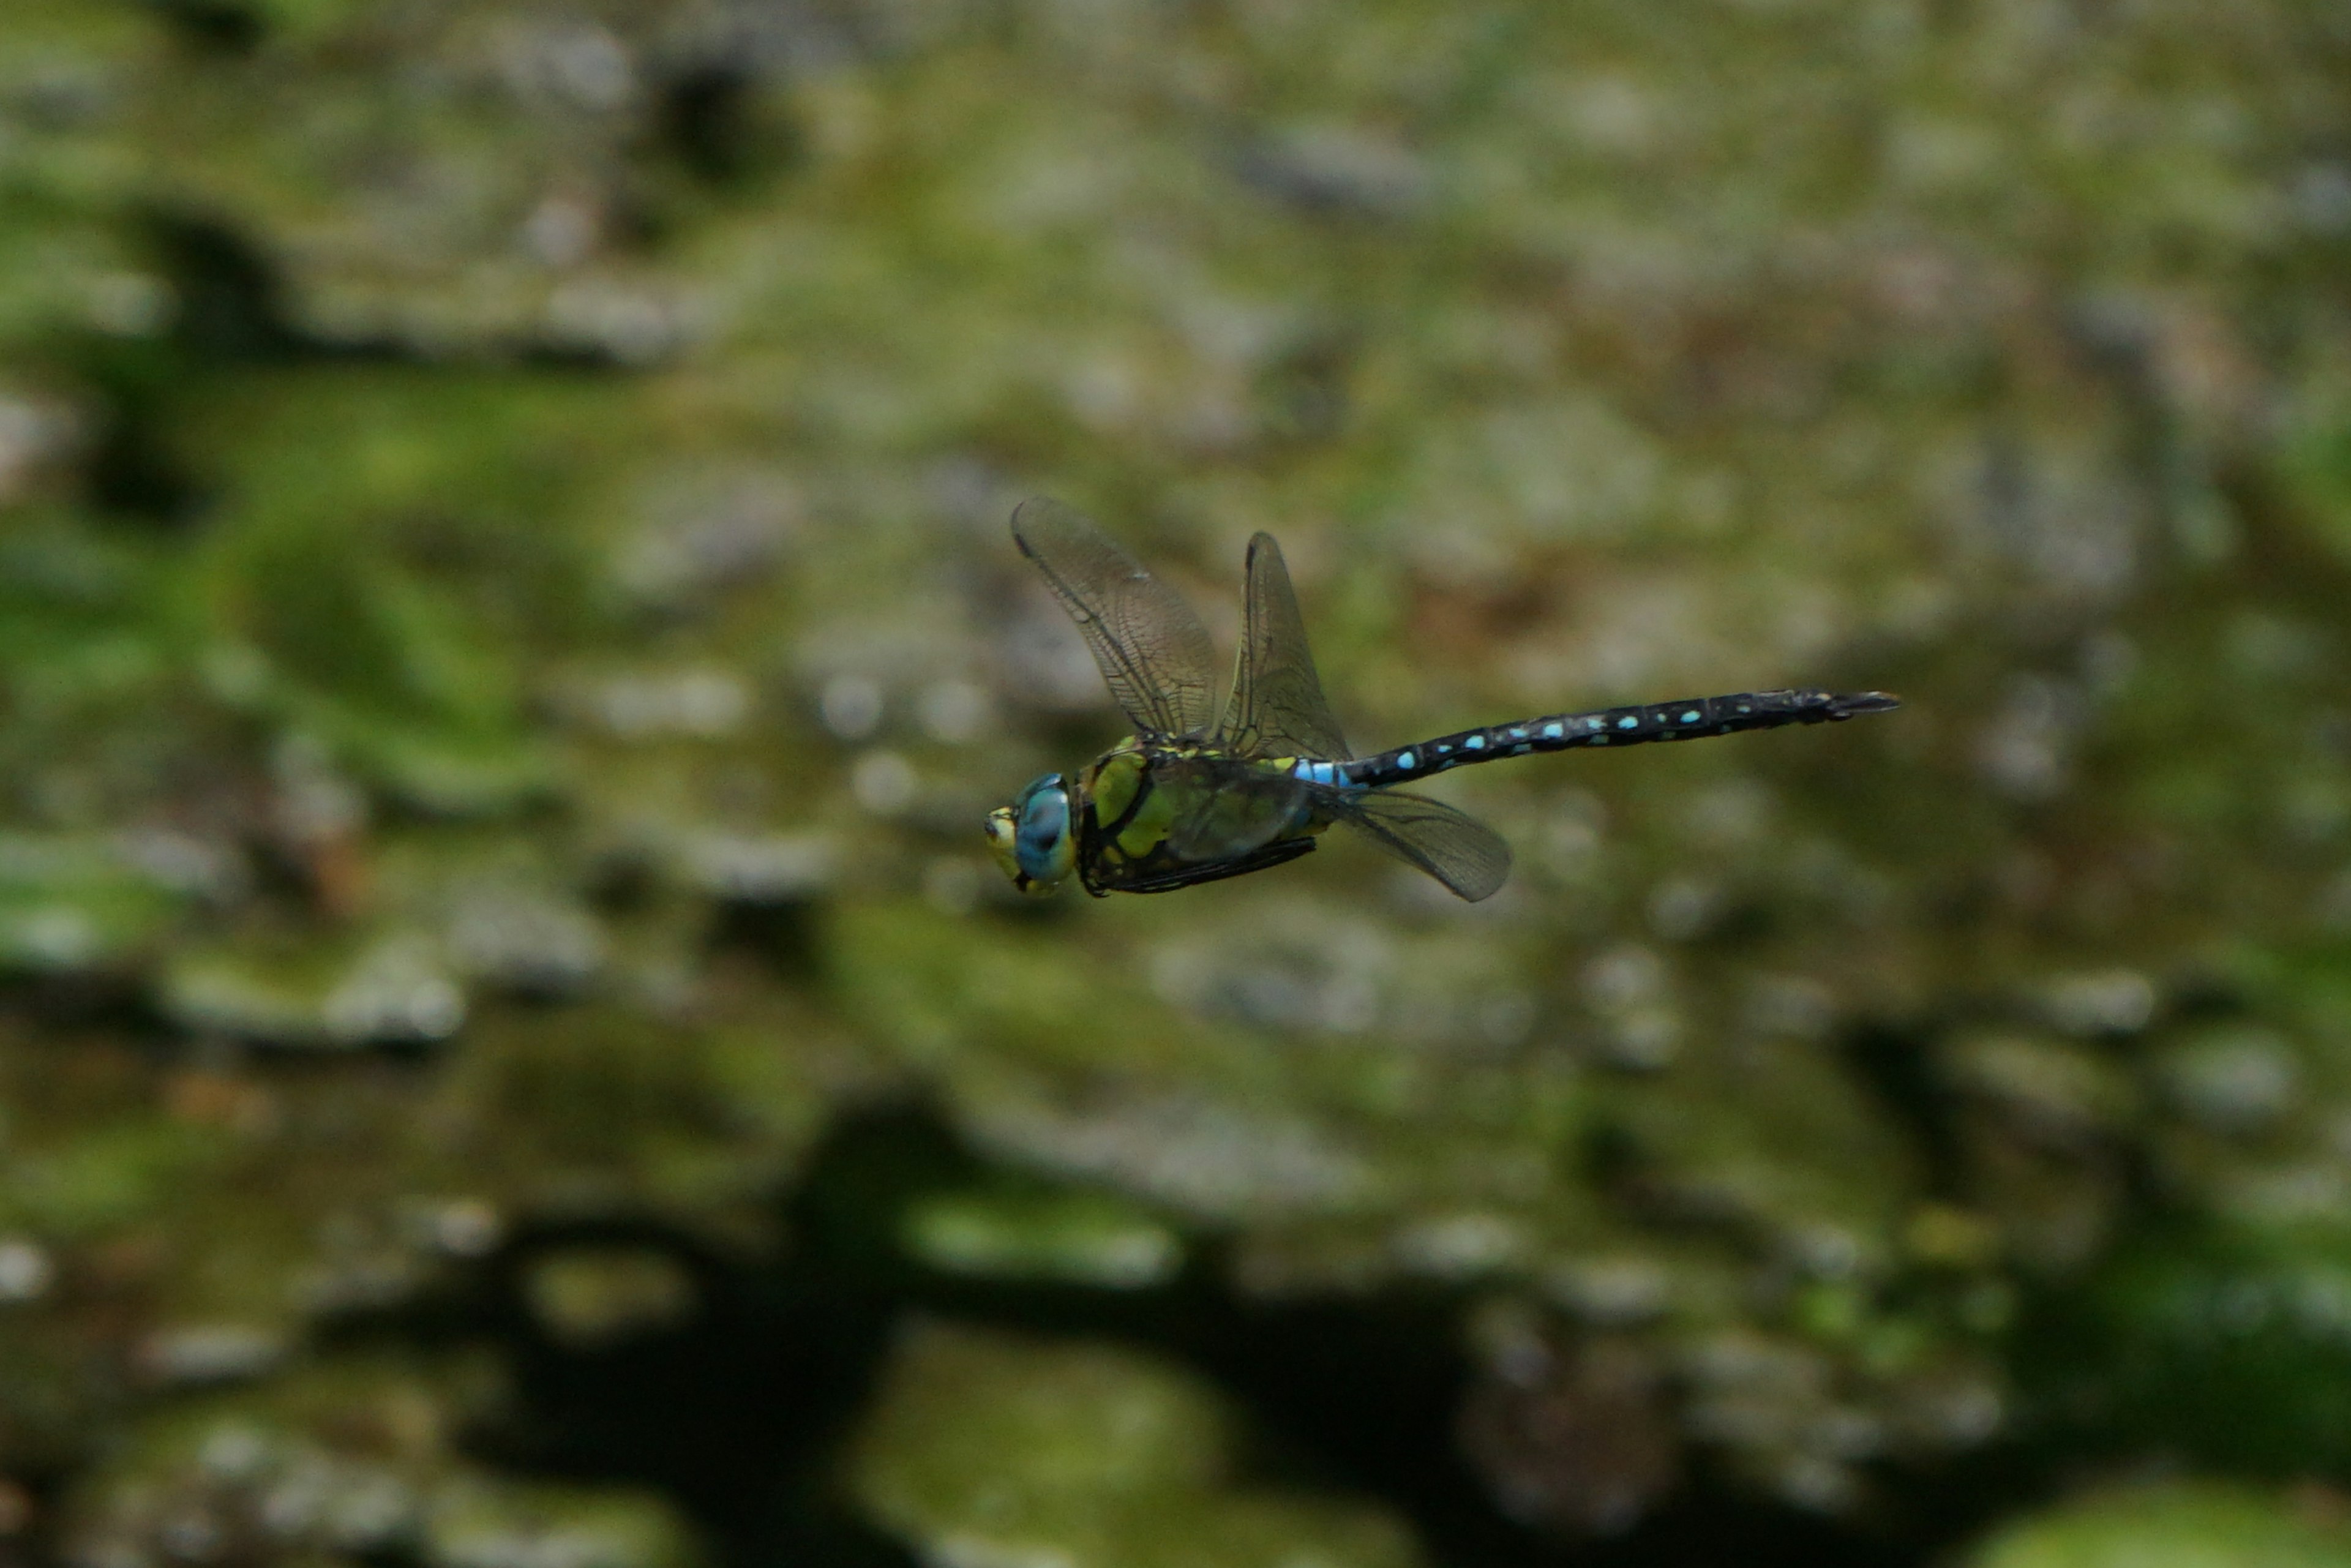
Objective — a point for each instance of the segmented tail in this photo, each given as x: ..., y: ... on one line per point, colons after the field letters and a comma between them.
x: 1688, y: 719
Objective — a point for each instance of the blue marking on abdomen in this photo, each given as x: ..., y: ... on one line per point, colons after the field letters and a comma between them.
x: 1333, y: 774
x: 1406, y: 762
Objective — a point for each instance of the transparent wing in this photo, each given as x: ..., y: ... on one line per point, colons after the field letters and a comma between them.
x: 1226, y: 808
x: 1151, y: 650
x: 1277, y: 707
x: 1458, y: 851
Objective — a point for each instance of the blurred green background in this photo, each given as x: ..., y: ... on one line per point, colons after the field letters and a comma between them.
x: 514, y: 1057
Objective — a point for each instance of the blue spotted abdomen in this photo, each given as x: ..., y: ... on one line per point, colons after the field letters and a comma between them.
x: 1687, y: 719
x: 1314, y: 771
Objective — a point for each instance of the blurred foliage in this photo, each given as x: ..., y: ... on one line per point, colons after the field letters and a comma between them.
x: 506, y: 634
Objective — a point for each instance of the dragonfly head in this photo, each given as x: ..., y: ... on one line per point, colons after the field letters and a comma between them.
x: 1032, y: 838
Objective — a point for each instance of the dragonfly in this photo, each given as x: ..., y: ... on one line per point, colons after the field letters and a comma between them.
x: 1214, y: 785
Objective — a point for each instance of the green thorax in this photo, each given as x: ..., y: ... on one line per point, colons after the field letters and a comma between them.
x: 1169, y: 815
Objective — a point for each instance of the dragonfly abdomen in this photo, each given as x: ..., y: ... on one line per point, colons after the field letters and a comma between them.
x: 1313, y: 770
x: 1687, y: 719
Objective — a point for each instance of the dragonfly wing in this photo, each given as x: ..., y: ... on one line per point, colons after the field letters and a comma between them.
x: 1458, y: 851
x: 1277, y: 707
x: 1226, y: 808
x: 1153, y: 650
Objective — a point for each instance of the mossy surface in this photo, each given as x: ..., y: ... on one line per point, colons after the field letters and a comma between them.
x: 985, y: 1448
x: 2174, y: 1527
x: 508, y: 633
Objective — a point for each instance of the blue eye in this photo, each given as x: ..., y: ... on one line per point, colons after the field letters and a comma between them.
x: 1030, y: 838
x: 1044, y: 826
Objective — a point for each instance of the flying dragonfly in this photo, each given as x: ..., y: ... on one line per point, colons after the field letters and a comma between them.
x: 1211, y: 786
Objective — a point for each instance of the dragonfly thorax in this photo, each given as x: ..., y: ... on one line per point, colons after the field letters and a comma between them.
x: 1032, y: 838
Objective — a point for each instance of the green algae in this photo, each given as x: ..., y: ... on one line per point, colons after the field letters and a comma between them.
x: 1080, y: 1237
x: 351, y: 994
x: 505, y: 631
x: 2218, y: 1342
x: 341, y: 1462
x: 2172, y: 1526
x: 985, y: 1448
x: 67, y: 902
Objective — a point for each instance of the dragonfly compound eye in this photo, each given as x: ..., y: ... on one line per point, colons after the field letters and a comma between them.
x: 1031, y: 840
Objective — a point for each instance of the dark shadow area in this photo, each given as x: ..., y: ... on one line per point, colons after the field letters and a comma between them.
x: 215, y: 26
x: 705, y: 123
x: 781, y: 935
x: 230, y: 300
x: 740, y: 1414
x: 1898, y: 1067
x: 227, y: 311
x: 131, y: 471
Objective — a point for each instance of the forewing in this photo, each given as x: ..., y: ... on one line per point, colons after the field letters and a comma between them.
x: 1458, y: 851
x: 1153, y: 650
x: 1277, y: 708
x: 1226, y: 808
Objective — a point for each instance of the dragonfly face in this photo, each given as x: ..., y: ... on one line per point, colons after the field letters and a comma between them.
x: 1032, y: 838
